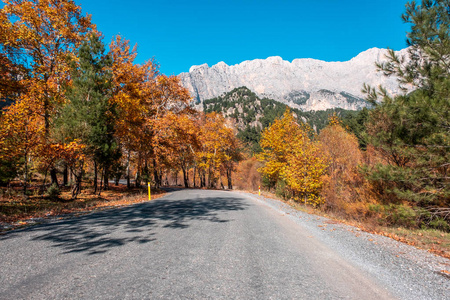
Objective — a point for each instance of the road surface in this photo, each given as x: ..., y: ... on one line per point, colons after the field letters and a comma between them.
x: 196, y: 244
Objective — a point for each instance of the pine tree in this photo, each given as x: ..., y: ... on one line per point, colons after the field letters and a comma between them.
x: 412, y: 131
x: 89, y: 116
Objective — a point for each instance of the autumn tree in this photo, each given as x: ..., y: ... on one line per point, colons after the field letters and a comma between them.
x: 143, y: 98
x: 46, y: 33
x: 130, y: 86
x: 219, y: 150
x: 169, y: 96
x: 20, y: 139
x: 181, y: 142
x: 346, y: 191
x: 290, y: 157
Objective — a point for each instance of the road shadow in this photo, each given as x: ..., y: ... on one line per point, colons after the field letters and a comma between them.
x: 98, y: 232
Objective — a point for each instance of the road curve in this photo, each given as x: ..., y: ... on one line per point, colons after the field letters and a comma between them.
x: 196, y: 244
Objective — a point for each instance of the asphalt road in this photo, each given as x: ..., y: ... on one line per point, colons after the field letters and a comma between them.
x: 194, y: 244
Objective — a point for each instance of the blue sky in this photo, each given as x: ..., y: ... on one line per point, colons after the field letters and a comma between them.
x: 179, y: 34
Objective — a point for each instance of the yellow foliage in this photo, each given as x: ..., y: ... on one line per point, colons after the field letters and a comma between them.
x: 334, y: 120
x: 289, y: 154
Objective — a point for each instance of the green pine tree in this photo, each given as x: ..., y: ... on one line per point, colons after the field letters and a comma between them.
x: 90, y: 116
x: 413, y: 131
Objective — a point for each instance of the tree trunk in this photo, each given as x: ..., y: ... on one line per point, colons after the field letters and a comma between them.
x: 211, y: 178
x: 53, y: 172
x: 195, y: 168
x: 185, y: 177
x: 66, y: 175
x: 70, y: 175
x: 95, y: 177
x: 25, y: 176
x: 208, y: 184
x: 53, y: 175
x: 78, y: 179
x: 106, y: 178
x: 137, y: 179
x: 128, y: 171
x: 102, y: 176
x: 156, y: 178
x: 230, y: 184
x: 156, y: 175
x: 203, y: 179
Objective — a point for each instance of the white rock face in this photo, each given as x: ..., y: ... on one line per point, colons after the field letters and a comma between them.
x: 307, y: 84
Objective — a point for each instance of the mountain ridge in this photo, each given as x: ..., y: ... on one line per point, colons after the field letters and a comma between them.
x: 305, y: 83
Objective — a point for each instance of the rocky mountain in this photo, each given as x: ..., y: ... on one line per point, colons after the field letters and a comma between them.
x: 252, y: 114
x: 306, y: 84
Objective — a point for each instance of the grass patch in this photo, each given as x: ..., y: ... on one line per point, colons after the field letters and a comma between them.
x: 433, y: 240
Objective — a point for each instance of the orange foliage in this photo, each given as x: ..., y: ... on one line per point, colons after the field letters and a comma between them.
x: 45, y: 35
x: 247, y: 176
x: 146, y: 102
x: 219, y: 149
x: 345, y: 189
x: 20, y: 132
x: 131, y: 86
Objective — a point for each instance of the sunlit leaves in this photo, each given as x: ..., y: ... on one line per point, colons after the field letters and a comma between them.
x: 290, y: 155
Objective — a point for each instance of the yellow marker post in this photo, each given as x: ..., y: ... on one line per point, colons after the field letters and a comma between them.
x: 259, y: 190
x: 149, y: 194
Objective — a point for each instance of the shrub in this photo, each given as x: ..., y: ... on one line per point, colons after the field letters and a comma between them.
x: 53, y: 191
x: 401, y: 215
x: 441, y: 224
x: 281, y: 190
x: 247, y: 176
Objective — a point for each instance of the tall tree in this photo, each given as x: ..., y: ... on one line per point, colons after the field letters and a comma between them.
x: 291, y: 157
x: 46, y: 33
x: 413, y: 131
x: 89, y: 116
x: 20, y: 139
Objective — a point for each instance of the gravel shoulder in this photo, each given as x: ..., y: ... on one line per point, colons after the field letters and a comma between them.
x: 408, y: 272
